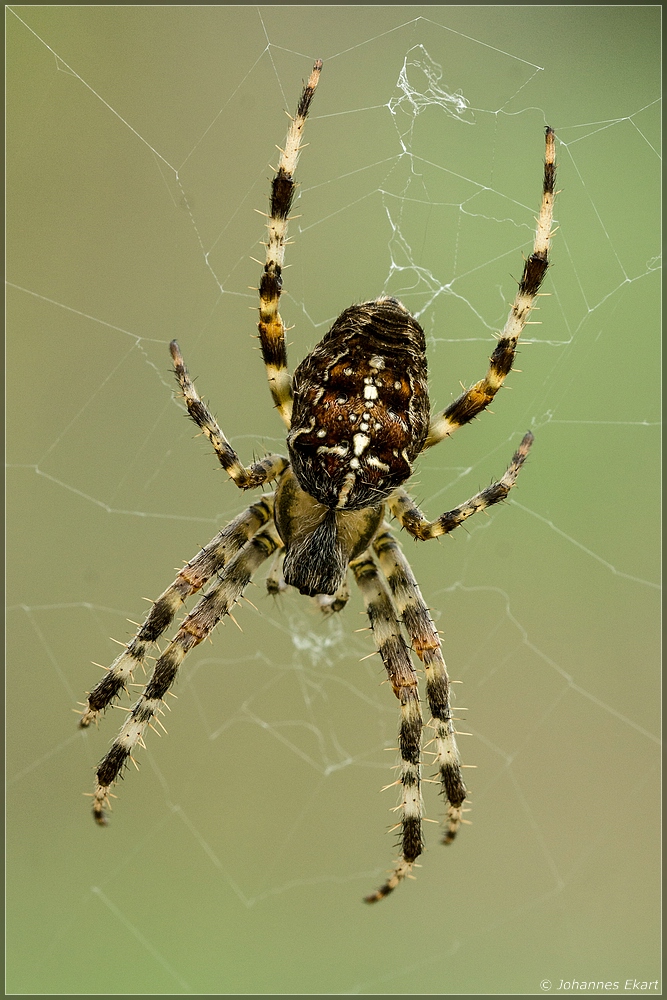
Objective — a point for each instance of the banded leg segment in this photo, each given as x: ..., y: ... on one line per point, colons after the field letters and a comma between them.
x: 403, y: 677
x: 336, y: 603
x: 213, y: 606
x: 477, y: 398
x: 264, y: 471
x: 408, y: 513
x: 271, y: 327
x: 211, y: 559
x: 417, y: 621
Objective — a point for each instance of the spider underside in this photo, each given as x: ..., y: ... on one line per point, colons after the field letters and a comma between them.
x: 358, y: 415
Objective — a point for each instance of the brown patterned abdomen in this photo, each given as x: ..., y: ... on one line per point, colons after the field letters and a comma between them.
x: 361, y: 408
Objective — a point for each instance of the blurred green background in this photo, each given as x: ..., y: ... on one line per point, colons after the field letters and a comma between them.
x: 139, y: 144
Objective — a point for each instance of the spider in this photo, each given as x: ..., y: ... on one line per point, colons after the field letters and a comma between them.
x: 357, y: 413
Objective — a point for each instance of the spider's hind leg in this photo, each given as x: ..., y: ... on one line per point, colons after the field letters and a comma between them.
x: 471, y: 403
x: 271, y: 327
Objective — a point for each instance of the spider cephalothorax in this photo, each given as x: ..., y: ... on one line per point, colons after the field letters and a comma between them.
x: 358, y: 415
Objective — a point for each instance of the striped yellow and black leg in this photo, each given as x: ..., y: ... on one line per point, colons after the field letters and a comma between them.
x: 336, y: 603
x: 271, y: 327
x: 423, y: 634
x: 470, y: 403
x: 264, y: 471
x: 213, y: 606
x: 403, y: 678
x: 196, y: 574
x: 408, y: 513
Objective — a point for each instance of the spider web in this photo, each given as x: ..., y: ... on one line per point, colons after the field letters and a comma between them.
x: 138, y: 147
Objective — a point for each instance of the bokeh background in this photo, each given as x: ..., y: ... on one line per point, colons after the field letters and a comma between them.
x: 139, y: 144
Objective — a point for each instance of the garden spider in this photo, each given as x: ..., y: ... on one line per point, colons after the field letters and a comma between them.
x: 357, y: 413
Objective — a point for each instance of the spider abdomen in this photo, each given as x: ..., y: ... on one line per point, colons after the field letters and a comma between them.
x: 361, y: 409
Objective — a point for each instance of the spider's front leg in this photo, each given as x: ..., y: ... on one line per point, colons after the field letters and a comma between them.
x: 402, y: 675
x: 423, y: 634
x: 194, y: 575
x: 408, y: 513
x: 214, y: 605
